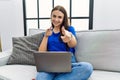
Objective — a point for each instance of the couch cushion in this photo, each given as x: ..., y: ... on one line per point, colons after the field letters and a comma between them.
x: 104, y: 75
x: 100, y: 48
x: 26, y: 72
x: 21, y: 53
x: 4, y: 56
x: 18, y: 72
x: 35, y: 31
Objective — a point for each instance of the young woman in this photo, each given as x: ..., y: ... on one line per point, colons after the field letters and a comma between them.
x: 62, y: 37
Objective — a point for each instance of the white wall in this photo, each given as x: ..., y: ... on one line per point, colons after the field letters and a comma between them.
x: 106, y: 14
x: 11, y: 21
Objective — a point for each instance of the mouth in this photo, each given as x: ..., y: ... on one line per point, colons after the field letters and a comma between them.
x: 55, y: 23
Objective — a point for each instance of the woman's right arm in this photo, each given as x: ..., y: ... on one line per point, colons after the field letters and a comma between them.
x: 43, y: 45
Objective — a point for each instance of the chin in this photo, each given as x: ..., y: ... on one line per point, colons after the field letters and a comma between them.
x: 56, y: 25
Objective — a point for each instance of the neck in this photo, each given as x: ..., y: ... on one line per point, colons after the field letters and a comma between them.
x: 56, y: 29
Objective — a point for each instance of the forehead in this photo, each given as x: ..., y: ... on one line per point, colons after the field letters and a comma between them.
x: 57, y: 12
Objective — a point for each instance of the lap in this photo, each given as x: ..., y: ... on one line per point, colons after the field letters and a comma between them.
x: 80, y: 71
x: 44, y: 76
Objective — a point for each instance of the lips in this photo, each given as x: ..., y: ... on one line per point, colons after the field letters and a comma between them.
x: 55, y: 23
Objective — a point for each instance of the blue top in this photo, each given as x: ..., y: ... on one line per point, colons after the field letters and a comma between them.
x: 55, y: 44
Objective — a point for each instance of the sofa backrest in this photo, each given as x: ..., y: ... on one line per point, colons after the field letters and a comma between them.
x: 35, y: 31
x: 101, y: 48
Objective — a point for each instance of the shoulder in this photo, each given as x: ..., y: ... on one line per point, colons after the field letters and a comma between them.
x: 71, y: 29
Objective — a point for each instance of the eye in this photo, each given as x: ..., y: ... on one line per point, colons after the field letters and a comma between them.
x: 54, y: 16
x: 60, y: 17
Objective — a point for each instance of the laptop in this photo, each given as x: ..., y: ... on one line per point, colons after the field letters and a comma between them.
x: 53, y: 61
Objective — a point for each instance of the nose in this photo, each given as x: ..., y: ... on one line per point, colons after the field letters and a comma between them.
x: 56, y: 19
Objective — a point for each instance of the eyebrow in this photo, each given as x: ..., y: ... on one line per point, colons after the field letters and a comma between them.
x: 58, y: 16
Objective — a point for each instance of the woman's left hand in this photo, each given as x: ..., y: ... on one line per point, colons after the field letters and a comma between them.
x: 66, y: 35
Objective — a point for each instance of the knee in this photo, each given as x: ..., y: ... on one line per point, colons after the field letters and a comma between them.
x: 87, y: 70
x: 87, y: 67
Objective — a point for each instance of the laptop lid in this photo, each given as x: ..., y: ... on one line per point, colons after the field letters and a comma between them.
x: 53, y: 61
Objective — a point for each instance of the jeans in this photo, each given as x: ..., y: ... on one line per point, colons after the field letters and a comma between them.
x: 80, y: 71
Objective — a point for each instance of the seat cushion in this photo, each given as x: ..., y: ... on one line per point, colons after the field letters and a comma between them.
x: 26, y: 72
x: 18, y: 72
x: 104, y: 75
x: 4, y: 56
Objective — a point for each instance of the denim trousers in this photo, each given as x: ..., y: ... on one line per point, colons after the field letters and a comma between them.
x: 80, y: 71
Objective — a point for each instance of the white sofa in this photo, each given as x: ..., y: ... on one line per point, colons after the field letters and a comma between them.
x: 101, y: 48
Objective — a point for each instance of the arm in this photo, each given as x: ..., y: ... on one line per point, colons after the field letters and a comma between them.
x: 69, y: 37
x: 72, y: 41
x: 43, y: 45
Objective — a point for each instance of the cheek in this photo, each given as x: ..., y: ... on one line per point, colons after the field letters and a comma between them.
x: 61, y: 20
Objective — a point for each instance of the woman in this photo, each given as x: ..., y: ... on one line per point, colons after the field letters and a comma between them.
x: 61, y: 37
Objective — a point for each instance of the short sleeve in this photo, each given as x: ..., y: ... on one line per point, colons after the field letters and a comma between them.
x: 72, y: 30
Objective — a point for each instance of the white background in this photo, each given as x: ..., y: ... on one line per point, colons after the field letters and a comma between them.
x: 106, y: 16
x: 11, y: 21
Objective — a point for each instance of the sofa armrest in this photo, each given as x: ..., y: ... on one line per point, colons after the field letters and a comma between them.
x: 4, y: 56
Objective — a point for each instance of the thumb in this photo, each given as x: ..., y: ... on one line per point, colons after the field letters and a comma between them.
x: 62, y: 37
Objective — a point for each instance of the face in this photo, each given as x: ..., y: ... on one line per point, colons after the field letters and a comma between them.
x: 57, y: 18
